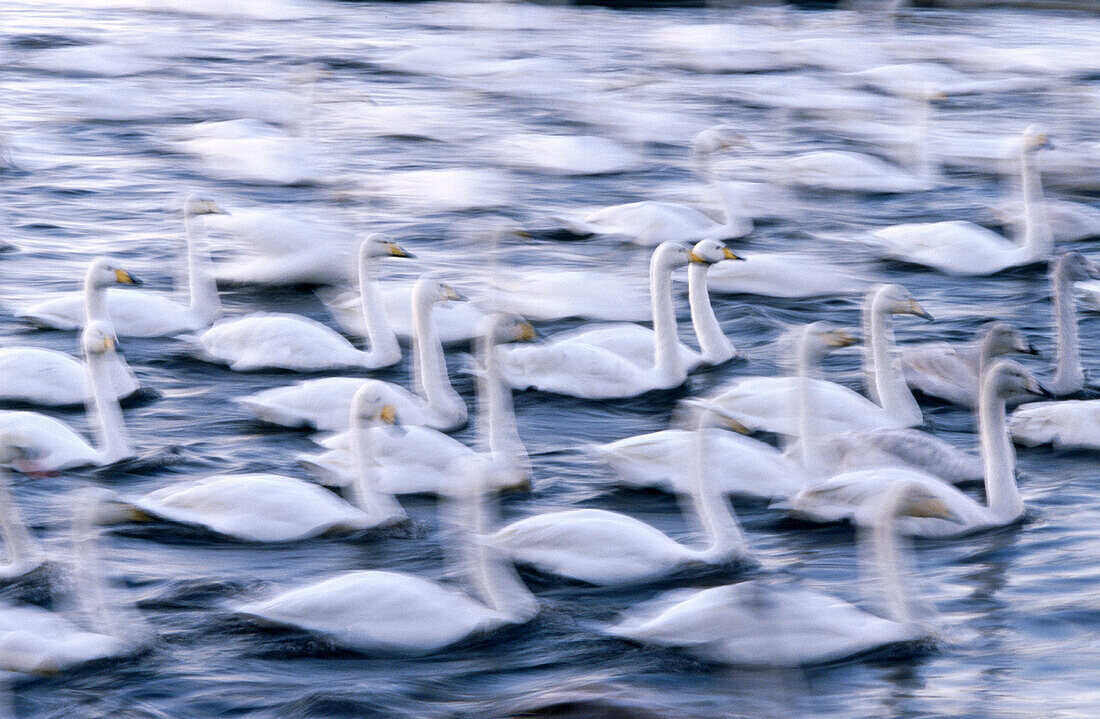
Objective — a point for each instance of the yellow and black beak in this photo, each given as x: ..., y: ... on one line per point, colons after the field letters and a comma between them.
x: 728, y: 254
x: 388, y: 414
x: 692, y: 257
x: 125, y: 278
x: 397, y: 251
x: 526, y: 332
x: 450, y: 294
x: 109, y: 343
x: 916, y: 309
x: 840, y: 338
x: 736, y: 426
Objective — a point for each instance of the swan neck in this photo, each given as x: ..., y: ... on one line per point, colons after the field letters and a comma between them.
x: 1069, y: 376
x: 21, y: 545
x: 113, y: 439
x: 893, y: 391
x: 806, y: 410
x: 383, y: 342
x: 497, y: 429
x: 887, y: 561
x: 1037, y: 240
x: 379, y: 506
x: 93, y: 595
x: 666, y: 351
x: 714, y: 346
x: 722, y: 530
x: 998, y: 456
x: 202, y: 288
x: 95, y: 301
x: 430, y: 371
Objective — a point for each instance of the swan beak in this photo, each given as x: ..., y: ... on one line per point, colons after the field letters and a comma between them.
x: 692, y: 257
x: 736, y: 426
x: 1034, y: 387
x: 125, y: 278
x: 388, y: 414
x: 727, y: 254
x: 840, y: 338
x: 109, y: 344
x: 1043, y: 141
x: 1029, y: 349
x: 451, y: 294
x: 930, y: 508
x: 397, y: 251
x: 1092, y: 270
x: 527, y: 332
x: 916, y: 309
x: 209, y: 207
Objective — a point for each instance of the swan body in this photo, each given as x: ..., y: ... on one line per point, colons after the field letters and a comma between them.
x: 545, y: 296
x: 455, y: 322
x: 783, y: 275
x: 1068, y: 221
x: 570, y: 154
x: 903, y: 448
x: 54, y: 444
x: 24, y: 555
x: 252, y: 151
x: 966, y: 249
x: 1072, y: 424
x: 652, y: 222
x: 33, y: 375
x: 37, y: 641
x: 762, y: 623
x: 324, y: 403
x: 845, y: 496
x: 951, y: 372
x: 578, y: 368
x: 735, y: 464
x: 257, y: 508
x: 842, y: 171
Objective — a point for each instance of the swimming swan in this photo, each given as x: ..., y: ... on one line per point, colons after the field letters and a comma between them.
x: 55, y: 445
x: 766, y: 403
x: 841, y: 498
x: 24, y: 555
x: 950, y: 372
x: 761, y: 623
x: 607, y: 548
x: 395, y: 613
x: 323, y: 403
x: 413, y: 460
x: 140, y: 313
x: 963, y: 248
x: 32, y: 375
x: 581, y: 369
x: 266, y: 340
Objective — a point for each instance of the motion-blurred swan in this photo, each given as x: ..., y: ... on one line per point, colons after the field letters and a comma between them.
x: 786, y: 274
x: 253, y: 151
x: 545, y: 295
x: 951, y: 372
x: 393, y: 613
x: 24, y: 555
x: 607, y: 548
x: 34, y: 640
x: 32, y: 375
x: 763, y: 623
x: 273, y: 507
x: 266, y: 340
x: 413, y: 460
x: 568, y: 154
x: 845, y: 496
x: 54, y: 444
x: 583, y: 369
x: 323, y: 403
x: 963, y: 248
x: 140, y: 313
x: 765, y: 403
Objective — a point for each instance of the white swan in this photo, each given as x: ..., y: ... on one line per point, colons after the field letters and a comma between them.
x: 24, y: 555
x: 768, y: 403
x: 253, y: 151
x: 568, y: 154
x: 545, y: 295
x: 393, y: 613
x: 963, y: 248
x: 32, y: 375
x: 413, y: 460
x: 845, y: 496
x: 607, y: 548
x: 786, y: 274
x: 323, y: 403
x: 762, y: 623
x: 951, y: 372
x: 281, y: 341
x: 54, y: 444
x: 637, y: 343
x: 581, y: 369
x: 146, y: 314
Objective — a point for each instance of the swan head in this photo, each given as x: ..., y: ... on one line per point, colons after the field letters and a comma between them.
x: 817, y: 338
x: 378, y: 245
x: 196, y: 205
x: 1008, y: 380
x: 1074, y: 266
x: 1034, y: 138
x: 504, y: 327
x: 432, y: 290
x: 98, y: 338
x: 717, y: 139
x: 369, y: 406
x: 896, y: 300
x: 1002, y: 338
x: 104, y: 273
x: 709, y: 252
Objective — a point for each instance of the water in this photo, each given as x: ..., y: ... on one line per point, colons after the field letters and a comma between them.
x: 96, y: 139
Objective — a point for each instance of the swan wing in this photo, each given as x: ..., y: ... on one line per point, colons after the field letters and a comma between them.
x: 942, y: 371
x: 1069, y: 423
x: 269, y: 340
x: 782, y: 275
x: 41, y: 376
x: 901, y: 448
x: 36, y: 641
x: 57, y: 446
x: 578, y: 370
x: 628, y: 340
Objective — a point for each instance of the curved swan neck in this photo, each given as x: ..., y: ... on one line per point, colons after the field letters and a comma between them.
x: 383, y: 341
x: 713, y: 343
x: 430, y: 371
x: 1069, y: 377
x: 998, y: 456
x: 887, y: 562
x: 806, y: 409
x: 380, y: 507
x: 723, y: 532
x: 666, y: 351
x: 21, y: 545
x: 497, y: 428
x: 202, y: 288
x: 95, y: 300
x: 893, y: 391
x: 113, y: 439
x: 93, y: 595
x: 1037, y: 242
x: 925, y: 170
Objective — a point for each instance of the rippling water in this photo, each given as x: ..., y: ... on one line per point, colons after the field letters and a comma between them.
x: 100, y: 99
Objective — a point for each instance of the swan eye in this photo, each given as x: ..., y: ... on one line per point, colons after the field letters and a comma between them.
x: 388, y: 414
x: 125, y: 278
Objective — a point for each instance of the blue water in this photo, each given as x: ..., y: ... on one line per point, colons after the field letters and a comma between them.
x: 1020, y: 606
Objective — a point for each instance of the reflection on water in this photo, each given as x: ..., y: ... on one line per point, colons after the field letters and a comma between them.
x: 451, y: 127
